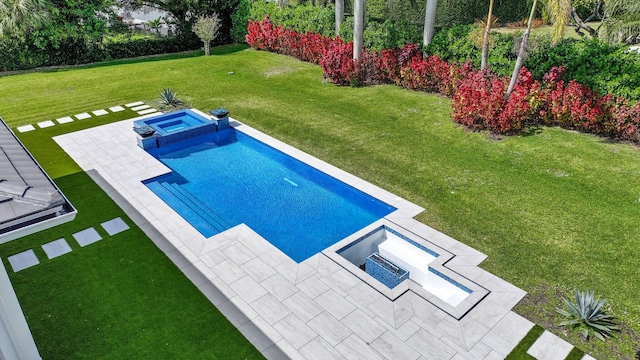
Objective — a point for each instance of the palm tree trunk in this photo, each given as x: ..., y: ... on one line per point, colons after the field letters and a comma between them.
x: 429, y: 21
x: 339, y: 15
x: 521, y: 53
x: 358, y: 27
x: 485, y: 39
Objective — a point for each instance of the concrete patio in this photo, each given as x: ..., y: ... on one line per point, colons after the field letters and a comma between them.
x: 314, y: 309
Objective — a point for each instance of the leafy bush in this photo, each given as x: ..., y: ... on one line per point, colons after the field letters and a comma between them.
x: 17, y: 54
x: 603, y: 67
x: 457, y: 12
x: 240, y: 20
x: 587, y: 315
x: 456, y: 45
x: 301, y: 18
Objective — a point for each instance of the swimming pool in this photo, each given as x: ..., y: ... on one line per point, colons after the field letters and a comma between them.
x: 222, y: 179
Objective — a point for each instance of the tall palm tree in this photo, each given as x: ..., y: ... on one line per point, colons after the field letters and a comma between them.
x: 429, y: 21
x: 339, y: 10
x: 358, y: 27
x: 485, y: 38
x: 20, y: 16
x: 559, y: 11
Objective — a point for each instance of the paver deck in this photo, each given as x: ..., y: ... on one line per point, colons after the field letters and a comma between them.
x: 309, y: 309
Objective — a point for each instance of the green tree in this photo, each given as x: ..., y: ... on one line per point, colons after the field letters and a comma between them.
x: 155, y: 25
x: 206, y: 28
x: 20, y: 16
x: 621, y: 21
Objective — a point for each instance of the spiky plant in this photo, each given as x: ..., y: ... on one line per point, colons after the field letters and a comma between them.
x: 587, y: 315
x: 168, y: 97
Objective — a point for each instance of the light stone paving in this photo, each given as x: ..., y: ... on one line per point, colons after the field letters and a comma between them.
x: 114, y: 226
x: 46, y: 124
x: 23, y: 260
x: 140, y: 107
x: 100, y: 112
x: 26, y: 128
x: 82, y: 116
x: 64, y: 120
x: 87, y: 236
x: 549, y: 347
x: 314, y: 309
x: 147, y: 111
x: 116, y: 109
x: 137, y: 103
x: 56, y: 248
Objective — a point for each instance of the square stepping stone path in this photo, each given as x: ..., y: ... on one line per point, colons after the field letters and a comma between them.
x: 56, y: 248
x: 141, y: 107
x: 137, y: 103
x: 82, y: 116
x: 26, y: 128
x: 114, y: 226
x: 100, y: 112
x: 64, y: 120
x: 87, y: 236
x: 116, y: 109
x: 46, y: 124
x: 23, y: 260
x: 147, y: 111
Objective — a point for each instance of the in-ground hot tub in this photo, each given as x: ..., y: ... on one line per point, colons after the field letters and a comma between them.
x: 172, y: 127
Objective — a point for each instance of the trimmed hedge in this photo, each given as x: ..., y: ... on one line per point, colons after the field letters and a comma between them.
x: 21, y: 55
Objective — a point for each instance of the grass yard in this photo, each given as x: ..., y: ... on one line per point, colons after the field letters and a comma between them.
x: 554, y: 210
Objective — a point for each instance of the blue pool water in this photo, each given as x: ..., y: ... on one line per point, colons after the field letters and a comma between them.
x: 223, y: 179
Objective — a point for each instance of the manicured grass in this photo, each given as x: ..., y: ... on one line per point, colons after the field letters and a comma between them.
x: 569, y: 32
x: 551, y: 208
x: 120, y: 298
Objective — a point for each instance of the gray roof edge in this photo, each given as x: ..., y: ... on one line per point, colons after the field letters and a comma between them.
x: 67, y: 203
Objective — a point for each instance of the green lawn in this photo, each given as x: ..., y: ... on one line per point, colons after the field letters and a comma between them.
x: 554, y: 210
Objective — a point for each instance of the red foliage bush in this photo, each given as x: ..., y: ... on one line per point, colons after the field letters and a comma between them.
x: 338, y: 64
x: 626, y: 121
x: 479, y: 100
x: 478, y: 97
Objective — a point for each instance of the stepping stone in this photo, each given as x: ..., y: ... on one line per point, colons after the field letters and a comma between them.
x: 134, y: 104
x: 147, y: 111
x: 549, y: 347
x: 23, y: 260
x: 46, y: 124
x: 141, y: 107
x: 83, y: 116
x: 100, y: 112
x: 64, y: 120
x: 87, y: 236
x: 114, y: 226
x: 116, y: 108
x: 26, y: 128
x: 56, y: 248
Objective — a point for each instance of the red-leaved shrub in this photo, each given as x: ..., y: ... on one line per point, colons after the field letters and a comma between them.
x: 478, y: 96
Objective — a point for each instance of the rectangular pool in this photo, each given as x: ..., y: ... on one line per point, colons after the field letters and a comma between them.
x: 223, y: 179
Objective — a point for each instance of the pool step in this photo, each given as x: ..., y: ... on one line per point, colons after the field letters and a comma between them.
x: 197, y: 218
x: 203, y: 209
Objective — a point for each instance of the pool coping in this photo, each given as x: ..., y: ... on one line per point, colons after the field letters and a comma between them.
x: 314, y: 307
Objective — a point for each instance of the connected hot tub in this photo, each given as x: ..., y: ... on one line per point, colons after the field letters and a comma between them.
x: 161, y: 130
